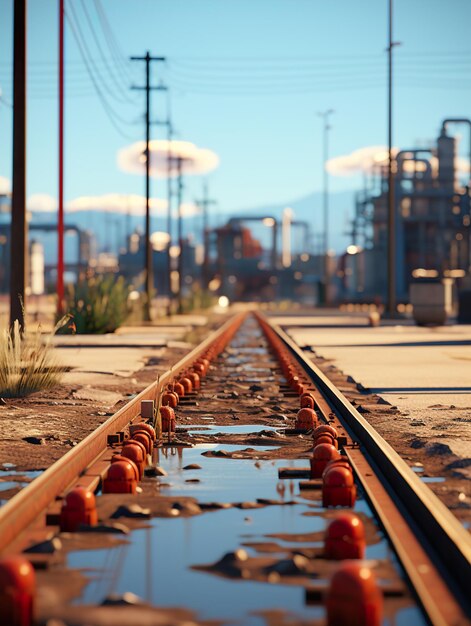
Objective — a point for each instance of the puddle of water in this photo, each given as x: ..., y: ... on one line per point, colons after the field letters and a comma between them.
x: 432, y: 479
x: 417, y: 470
x: 175, y: 545
x: 12, y: 484
x: 227, y: 480
x: 229, y: 430
x: 155, y: 565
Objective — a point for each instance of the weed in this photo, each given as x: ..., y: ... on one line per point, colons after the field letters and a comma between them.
x: 28, y: 362
x: 99, y: 305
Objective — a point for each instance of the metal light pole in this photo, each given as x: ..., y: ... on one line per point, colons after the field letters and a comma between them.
x: 391, y: 204
x: 19, y: 227
x: 325, y: 198
x: 60, y: 208
x: 180, y: 233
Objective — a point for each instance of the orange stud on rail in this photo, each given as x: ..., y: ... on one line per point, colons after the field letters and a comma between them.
x: 136, y: 452
x: 169, y: 398
x: 79, y: 507
x: 179, y: 389
x: 306, y: 419
x: 307, y: 401
x: 142, y: 436
x: 325, y: 428
x: 168, y: 419
x: 120, y: 478
x: 353, y: 597
x: 345, y: 538
x: 17, y: 591
x: 322, y: 454
x: 142, y: 426
x: 187, y: 384
x: 195, y: 379
x: 338, y: 486
x: 118, y: 457
x: 325, y: 438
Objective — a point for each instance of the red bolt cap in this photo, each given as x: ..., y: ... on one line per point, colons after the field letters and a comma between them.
x: 322, y: 454
x: 354, y: 597
x: 179, y: 389
x: 338, y: 487
x: 167, y: 415
x: 307, y: 401
x: 79, y: 507
x: 187, y: 384
x: 142, y: 426
x: 136, y: 452
x: 118, y: 457
x: 306, y: 419
x: 17, y: 591
x: 195, y: 379
x: 345, y: 538
x: 325, y: 438
x: 142, y: 436
x: 170, y: 399
x: 120, y: 478
x: 325, y: 428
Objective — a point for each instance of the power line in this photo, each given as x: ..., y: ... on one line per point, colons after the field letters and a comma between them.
x: 112, y: 42
x: 79, y: 36
x: 110, y: 71
x: 114, y: 117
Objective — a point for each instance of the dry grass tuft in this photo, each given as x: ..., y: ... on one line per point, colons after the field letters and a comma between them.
x: 28, y: 363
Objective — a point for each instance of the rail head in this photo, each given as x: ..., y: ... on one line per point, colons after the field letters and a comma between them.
x: 440, y: 529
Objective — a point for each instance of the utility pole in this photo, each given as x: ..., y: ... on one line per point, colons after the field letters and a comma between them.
x: 169, y: 159
x: 205, y: 203
x: 18, y: 233
x: 60, y: 211
x: 148, y: 248
x: 391, y: 201
x: 325, y: 200
x: 180, y: 160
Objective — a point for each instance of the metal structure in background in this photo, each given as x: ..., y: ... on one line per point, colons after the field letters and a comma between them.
x: 391, y: 308
x: 18, y: 206
x: 432, y: 223
x: 179, y: 161
x: 60, y: 207
x: 148, y: 248
x: 325, y: 200
x: 204, y: 204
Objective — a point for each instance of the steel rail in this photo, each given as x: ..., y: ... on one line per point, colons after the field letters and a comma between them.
x: 19, y: 512
x: 440, y: 533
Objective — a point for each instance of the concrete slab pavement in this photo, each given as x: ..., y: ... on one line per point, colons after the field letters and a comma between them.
x: 425, y: 372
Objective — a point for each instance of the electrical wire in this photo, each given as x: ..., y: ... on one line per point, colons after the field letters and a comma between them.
x: 112, y: 42
x: 79, y: 36
x: 125, y: 95
x: 112, y: 115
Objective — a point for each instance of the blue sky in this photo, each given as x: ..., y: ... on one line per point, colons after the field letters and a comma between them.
x: 247, y: 78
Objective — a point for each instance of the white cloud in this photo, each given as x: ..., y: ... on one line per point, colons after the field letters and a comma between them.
x: 362, y: 160
x: 116, y: 203
x: 124, y: 204
x: 41, y: 203
x: 5, y: 186
x: 367, y: 159
x: 131, y: 159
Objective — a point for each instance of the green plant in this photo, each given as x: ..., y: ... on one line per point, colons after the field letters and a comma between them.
x: 99, y: 305
x: 28, y: 362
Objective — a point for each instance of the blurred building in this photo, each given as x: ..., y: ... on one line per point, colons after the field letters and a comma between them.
x: 432, y: 224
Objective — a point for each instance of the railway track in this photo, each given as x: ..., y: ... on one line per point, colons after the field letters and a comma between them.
x: 244, y: 469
